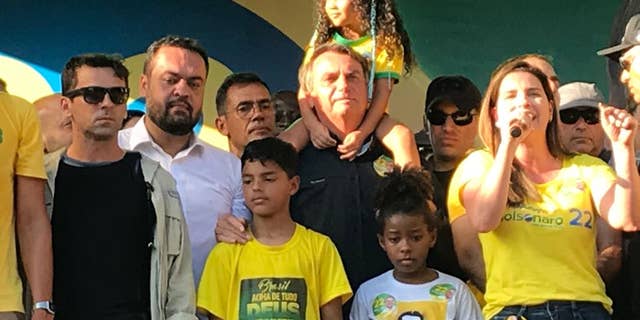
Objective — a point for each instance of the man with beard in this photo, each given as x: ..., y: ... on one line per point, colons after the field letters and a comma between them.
x: 626, y: 53
x: 208, y: 179
x: 120, y: 242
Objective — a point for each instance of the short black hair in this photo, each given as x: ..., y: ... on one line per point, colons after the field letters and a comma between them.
x: 229, y: 81
x: 272, y: 149
x: 95, y: 60
x: 175, y: 41
x: 405, y: 192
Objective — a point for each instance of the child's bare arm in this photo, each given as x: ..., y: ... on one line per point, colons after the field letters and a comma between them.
x: 353, y: 141
x: 400, y: 141
x: 318, y: 133
x: 332, y: 309
x: 296, y: 134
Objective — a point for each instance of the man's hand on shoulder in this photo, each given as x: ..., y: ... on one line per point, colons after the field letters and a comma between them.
x: 231, y: 229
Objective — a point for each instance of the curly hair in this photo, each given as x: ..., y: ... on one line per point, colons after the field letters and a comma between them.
x: 405, y: 192
x: 390, y: 31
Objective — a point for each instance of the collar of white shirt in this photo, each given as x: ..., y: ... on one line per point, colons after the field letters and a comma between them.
x: 138, y: 136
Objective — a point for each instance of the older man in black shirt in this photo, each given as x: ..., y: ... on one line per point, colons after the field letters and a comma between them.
x: 336, y: 196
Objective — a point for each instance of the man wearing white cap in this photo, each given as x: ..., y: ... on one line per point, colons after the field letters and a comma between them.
x: 581, y: 132
x: 580, y: 129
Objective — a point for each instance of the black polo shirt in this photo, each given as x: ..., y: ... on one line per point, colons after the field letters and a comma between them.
x: 336, y: 199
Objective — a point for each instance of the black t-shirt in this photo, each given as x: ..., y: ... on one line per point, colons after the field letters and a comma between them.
x: 443, y: 256
x: 102, y: 227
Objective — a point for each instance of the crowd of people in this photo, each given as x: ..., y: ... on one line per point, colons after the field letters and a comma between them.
x: 524, y: 206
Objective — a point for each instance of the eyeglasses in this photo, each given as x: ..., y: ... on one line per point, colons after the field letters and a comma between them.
x: 246, y: 108
x: 95, y: 95
x: 571, y: 116
x: 460, y: 118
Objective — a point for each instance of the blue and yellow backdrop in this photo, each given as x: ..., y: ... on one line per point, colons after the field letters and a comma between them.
x: 268, y: 36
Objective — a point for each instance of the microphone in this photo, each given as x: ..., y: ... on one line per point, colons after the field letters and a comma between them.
x: 515, y: 131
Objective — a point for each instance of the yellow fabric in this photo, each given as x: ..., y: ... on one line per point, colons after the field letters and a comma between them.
x: 477, y: 294
x: 385, y: 67
x: 542, y: 250
x: 291, y: 281
x: 21, y: 153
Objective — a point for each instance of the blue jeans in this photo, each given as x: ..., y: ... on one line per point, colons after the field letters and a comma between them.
x: 556, y: 310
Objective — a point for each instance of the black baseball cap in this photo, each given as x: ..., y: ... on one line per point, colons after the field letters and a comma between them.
x: 456, y: 89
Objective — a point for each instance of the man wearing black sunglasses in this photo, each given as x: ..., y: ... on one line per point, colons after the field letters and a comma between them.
x: 120, y: 243
x: 580, y: 129
x: 451, y: 108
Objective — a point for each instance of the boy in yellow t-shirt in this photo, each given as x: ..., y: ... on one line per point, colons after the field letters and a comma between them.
x: 286, y: 271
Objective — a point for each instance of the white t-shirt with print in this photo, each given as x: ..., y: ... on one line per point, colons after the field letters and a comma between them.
x: 445, y: 298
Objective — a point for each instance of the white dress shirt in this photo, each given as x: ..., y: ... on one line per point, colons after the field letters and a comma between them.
x: 208, y: 181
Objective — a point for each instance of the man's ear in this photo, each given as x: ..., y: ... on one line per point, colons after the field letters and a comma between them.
x: 65, y: 105
x: 221, y: 125
x: 294, y: 185
x: 143, y: 85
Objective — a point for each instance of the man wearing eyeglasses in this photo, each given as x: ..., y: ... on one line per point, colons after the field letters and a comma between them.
x: 120, y: 243
x: 451, y: 108
x: 208, y: 179
x: 626, y: 54
x: 245, y: 110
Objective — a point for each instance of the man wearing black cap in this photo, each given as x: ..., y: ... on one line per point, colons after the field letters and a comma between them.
x: 627, y: 303
x: 451, y: 108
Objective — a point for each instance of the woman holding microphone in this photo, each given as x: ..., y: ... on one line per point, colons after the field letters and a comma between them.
x: 534, y: 204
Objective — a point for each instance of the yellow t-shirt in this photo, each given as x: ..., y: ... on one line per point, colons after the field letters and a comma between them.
x: 21, y: 153
x: 543, y: 250
x: 385, y: 67
x: 291, y: 281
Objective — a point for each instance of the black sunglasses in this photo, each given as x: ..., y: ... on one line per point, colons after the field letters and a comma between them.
x: 95, y: 95
x: 460, y: 118
x: 571, y: 116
